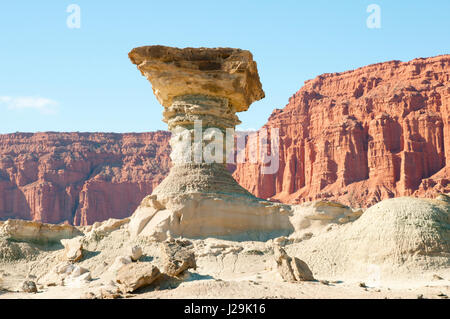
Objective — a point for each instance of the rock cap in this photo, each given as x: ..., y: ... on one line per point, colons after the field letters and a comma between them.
x: 223, y: 72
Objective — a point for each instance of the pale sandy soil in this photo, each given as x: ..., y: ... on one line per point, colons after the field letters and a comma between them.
x: 258, y: 288
x: 401, y: 255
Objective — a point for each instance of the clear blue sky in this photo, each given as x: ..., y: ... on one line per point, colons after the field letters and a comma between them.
x: 53, y: 78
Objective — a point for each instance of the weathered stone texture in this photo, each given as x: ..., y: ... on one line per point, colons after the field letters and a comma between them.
x: 361, y: 136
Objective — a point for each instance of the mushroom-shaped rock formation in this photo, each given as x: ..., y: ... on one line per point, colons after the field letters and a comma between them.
x: 201, y: 90
x: 220, y: 72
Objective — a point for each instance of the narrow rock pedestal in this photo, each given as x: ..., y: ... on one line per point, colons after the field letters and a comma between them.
x: 196, y: 121
x: 201, y: 91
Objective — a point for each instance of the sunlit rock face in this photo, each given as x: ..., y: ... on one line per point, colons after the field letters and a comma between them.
x: 361, y: 136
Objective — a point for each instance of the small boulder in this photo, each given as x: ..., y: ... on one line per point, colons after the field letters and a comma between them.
x: 66, y: 273
x: 135, y: 253
x: 437, y: 277
x: 141, y: 217
x: 111, y: 225
x: 177, y: 256
x: 133, y: 276
x: 73, y: 249
x: 29, y: 286
x: 281, y: 240
x: 119, y: 262
x: 292, y: 269
x: 64, y: 268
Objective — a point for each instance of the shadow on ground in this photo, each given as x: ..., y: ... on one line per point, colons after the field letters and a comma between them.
x: 165, y: 282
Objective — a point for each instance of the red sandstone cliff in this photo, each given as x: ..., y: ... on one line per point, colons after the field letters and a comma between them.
x: 79, y: 178
x: 360, y: 136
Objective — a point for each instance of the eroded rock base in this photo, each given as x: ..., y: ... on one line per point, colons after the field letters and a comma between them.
x: 200, y: 215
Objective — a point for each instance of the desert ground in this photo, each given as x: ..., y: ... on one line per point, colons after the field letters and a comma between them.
x: 227, y: 268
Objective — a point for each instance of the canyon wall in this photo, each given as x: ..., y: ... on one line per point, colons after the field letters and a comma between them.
x: 360, y: 136
x: 79, y: 178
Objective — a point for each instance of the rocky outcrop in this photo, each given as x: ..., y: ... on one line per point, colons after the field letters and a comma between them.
x: 202, y: 90
x: 177, y: 256
x: 219, y: 72
x: 356, y: 137
x: 136, y: 275
x: 360, y: 136
x: 73, y: 249
x: 79, y: 178
x: 29, y: 287
x: 291, y: 269
x: 26, y: 231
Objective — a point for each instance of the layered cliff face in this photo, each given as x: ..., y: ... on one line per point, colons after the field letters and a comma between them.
x: 360, y: 136
x: 79, y: 178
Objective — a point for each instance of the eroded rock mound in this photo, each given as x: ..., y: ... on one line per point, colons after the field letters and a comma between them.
x: 11, y: 251
x: 177, y: 256
x: 396, y: 237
